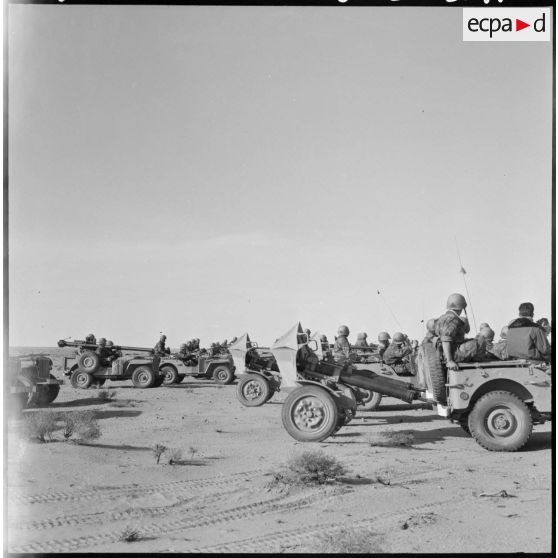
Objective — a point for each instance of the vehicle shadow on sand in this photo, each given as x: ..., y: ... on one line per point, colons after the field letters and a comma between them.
x: 120, y: 413
x: 78, y: 403
x: 195, y: 385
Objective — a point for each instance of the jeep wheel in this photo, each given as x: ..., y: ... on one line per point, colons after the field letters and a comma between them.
x: 310, y: 414
x: 143, y: 377
x: 223, y: 375
x: 500, y: 421
x: 89, y: 362
x: 371, y: 401
x: 170, y: 374
x: 253, y: 390
x: 80, y: 379
x: 436, y: 371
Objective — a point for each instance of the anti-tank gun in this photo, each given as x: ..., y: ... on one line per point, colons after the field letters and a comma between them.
x: 91, y: 366
x: 325, y: 394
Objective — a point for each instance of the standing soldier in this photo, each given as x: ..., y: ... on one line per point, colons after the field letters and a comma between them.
x: 341, y: 348
x: 113, y: 354
x: 160, y: 348
x: 103, y: 352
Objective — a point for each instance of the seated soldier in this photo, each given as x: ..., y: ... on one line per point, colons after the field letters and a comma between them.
x: 451, y: 328
x: 488, y: 333
x: 545, y: 324
x: 305, y: 357
x: 341, y: 347
x: 361, y: 340
x: 113, y: 353
x: 90, y: 339
x: 398, y: 352
x: 526, y: 338
x: 383, y: 342
x: 500, y: 350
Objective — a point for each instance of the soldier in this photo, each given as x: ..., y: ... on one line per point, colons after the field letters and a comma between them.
x: 383, y: 342
x: 183, y: 352
x: 398, y: 351
x: 325, y: 344
x: 90, y: 339
x: 341, y: 348
x: 103, y: 351
x: 451, y: 328
x: 307, y: 332
x: 545, y: 324
x: 430, y: 330
x: 234, y: 340
x: 500, y: 349
x: 160, y: 348
x: 113, y: 353
x: 361, y: 340
x: 526, y: 338
x: 488, y: 333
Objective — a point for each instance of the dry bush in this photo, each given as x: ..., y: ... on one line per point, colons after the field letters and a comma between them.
x: 107, y: 395
x: 158, y: 450
x: 174, y: 455
x: 40, y: 425
x: 352, y: 540
x: 310, y: 467
x: 82, y: 424
x: 193, y: 450
x: 130, y: 534
x: 392, y: 439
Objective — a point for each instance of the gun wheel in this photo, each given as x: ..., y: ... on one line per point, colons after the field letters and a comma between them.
x: 310, y: 414
x: 80, y: 379
x: 253, y: 390
x: 371, y: 401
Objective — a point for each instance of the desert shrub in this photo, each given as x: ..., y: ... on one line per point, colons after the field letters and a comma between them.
x: 352, y: 540
x: 82, y: 424
x: 310, y: 467
x: 392, y: 439
x: 158, y: 451
x: 174, y: 455
x: 130, y: 534
x: 106, y: 395
x: 193, y: 450
x: 40, y: 425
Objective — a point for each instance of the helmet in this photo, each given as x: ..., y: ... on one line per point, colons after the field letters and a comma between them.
x: 361, y: 335
x: 323, y: 337
x: 483, y: 325
x: 102, y: 341
x: 431, y: 325
x: 504, y: 332
x: 307, y: 331
x: 383, y: 336
x: 398, y: 337
x: 456, y: 301
x: 183, y: 347
x: 110, y: 344
x: 343, y: 330
x: 163, y: 337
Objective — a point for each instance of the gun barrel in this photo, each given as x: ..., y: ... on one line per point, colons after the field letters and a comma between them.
x: 386, y: 386
x: 93, y: 346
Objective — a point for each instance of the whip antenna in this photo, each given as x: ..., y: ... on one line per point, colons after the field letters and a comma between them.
x: 463, y: 273
x: 385, y: 302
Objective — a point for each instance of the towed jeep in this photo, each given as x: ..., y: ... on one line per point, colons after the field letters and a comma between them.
x: 86, y: 369
x: 496, y: 402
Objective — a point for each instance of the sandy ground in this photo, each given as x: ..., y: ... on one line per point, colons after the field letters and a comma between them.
x: 439, y: 495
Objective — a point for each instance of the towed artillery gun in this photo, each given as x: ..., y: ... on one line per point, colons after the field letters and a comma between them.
x: 31, y: 381
x: 86, y: 367
x: 497, y: 402
x: 325, y: 394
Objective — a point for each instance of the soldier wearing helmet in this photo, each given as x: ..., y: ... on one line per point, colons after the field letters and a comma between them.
x: 430, y: 330
x: 114, y: 353
x: 451, y: 328
x: 383, y: 342
x: 103, y: 351
x: 160, y: 348
x: 361, y: 340
x: 90, y: 339
x: 488, y: 333
x: 398, y: 351
x: 526, y: 338
x: 500, y: 350
x: 341, y: 347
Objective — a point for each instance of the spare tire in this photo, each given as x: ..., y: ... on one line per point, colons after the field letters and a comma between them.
x: 89, y: 362
x: 437, y: 372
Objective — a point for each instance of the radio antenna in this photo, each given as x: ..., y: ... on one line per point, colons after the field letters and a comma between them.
x: 463, y: 273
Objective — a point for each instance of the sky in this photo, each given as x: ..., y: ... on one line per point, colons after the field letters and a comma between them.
x: 205, y: 171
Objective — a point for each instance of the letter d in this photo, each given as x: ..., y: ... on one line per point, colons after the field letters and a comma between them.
x: 542, y: 21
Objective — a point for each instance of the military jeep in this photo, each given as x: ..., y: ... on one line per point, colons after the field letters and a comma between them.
x: 219, y: 368
x: 85, y: 368
x: 31, y: 381
x: 496, y: 402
